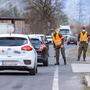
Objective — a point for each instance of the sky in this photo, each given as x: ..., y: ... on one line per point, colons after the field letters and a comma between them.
x: 78, y: 10
x: 7, y: 4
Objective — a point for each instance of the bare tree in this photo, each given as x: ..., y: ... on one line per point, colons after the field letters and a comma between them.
x: 44, y: 15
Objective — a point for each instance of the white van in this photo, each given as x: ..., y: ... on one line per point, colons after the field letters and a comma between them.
x: 65, y: 31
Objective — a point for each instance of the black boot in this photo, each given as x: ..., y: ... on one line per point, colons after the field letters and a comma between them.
x: 64, y: 60
x: 84, y: 59
x: 65, y: 63
x: 78, y: 59
x: 57, y: 63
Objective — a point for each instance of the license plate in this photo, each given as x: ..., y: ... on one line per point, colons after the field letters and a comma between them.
x: 71, y: 42
x: 9, y: 63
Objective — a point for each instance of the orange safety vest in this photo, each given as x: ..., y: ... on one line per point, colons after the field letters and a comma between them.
x: 83, y: 37
x: 57, y: 40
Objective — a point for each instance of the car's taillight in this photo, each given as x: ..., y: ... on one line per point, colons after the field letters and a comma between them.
x: 26, y: 48
x: 42, y: 47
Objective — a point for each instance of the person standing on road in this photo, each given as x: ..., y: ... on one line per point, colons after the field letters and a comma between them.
x: 58, y: 41
x: 83, y: 44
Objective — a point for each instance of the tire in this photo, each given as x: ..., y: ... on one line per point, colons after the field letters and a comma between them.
x: 76, y: 43
x: 33, y: 71
x: 67, y: 43
x: 45, y: 63
x: 36, y: 70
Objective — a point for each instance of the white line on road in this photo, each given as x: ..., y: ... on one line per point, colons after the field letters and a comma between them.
x: 55, y: 80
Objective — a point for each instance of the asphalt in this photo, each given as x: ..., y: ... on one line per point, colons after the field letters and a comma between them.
x: 48, y: 78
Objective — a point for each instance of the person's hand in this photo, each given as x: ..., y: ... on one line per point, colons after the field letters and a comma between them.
x: 62, y: 46
x: 78, y: 44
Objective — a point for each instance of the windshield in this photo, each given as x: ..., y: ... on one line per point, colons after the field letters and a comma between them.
x: 64, y: 31
x: 36, y: 43
x: 12, y: 41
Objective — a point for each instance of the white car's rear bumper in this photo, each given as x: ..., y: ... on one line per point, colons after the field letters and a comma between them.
x: 21, y: 68
x: 17, y: 62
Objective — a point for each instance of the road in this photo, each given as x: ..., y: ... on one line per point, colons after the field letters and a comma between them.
x: 48, y: 78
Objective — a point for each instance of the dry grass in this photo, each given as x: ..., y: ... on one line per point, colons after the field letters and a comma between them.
x: 72, y: 54
x: 88, y: 51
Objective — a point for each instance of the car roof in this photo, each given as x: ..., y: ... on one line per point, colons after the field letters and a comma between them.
x: 40, y: 34
x: 14, y: 35
x: 35, y: 36
x: 48, y: 36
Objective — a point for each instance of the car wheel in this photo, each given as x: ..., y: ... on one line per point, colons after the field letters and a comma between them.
x: 45, y: 63
x: 33, y: 71
x: 36, y: 70
x: 76, y: 43
x: 67, y: 43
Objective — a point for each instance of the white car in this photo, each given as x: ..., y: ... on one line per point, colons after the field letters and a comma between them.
x: 49, y: 38
x: 17, y: 53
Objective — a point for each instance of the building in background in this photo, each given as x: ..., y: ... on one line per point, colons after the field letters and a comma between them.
x: 18, y: 23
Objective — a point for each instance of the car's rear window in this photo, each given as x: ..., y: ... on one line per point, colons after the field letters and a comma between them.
x: 35, y: 42
x: 12, y: 41
x: 64, y: 31
x: 49, y: 37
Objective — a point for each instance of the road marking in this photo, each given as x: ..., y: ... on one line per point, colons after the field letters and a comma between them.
x: 55, y: 80
x: 87, y: 80
x: 80, y: 68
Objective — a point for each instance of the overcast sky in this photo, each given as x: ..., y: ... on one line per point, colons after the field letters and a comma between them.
x: 7, y: 4
x: 72, y: 9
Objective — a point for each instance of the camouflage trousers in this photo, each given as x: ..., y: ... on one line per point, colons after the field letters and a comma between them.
x: 57, y: 52
x: 82, y: 48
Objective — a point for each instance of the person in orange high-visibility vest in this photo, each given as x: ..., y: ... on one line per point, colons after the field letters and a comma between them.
x: 83, y: 44
x: 58, y: 41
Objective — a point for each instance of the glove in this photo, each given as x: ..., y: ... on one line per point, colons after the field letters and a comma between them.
x: 62, y: 46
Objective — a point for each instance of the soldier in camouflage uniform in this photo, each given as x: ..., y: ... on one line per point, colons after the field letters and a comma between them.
x: 83, y: 44
x: 61, y: 47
